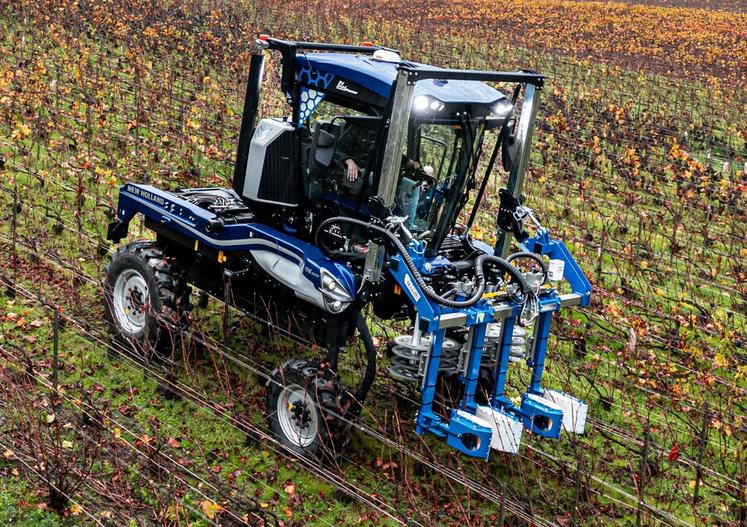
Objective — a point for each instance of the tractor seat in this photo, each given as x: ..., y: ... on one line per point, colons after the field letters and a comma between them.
x: 323, y: 149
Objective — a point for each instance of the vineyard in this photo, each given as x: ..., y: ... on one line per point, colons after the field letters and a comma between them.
x: 638, y: 162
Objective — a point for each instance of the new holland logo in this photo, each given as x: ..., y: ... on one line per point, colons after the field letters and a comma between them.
x: 411, y: 288
x: 344, y: 87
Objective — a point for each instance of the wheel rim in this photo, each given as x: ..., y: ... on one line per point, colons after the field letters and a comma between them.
x: 130, y: 300
x: 297, y: 416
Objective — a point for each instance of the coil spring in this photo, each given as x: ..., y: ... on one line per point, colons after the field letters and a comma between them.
x: 408, y: 355
x: 519, y: 345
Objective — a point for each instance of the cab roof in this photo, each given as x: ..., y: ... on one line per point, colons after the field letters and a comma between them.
x: 378, y: 76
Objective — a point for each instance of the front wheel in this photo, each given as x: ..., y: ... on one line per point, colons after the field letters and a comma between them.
x: 306, y: 409
x: 145, y: 300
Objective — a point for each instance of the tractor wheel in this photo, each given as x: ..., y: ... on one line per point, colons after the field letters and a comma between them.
x: 307, y: 407
x: 145, y: 300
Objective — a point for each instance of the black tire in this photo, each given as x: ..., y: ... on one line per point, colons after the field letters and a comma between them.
x: 142, y: 279
x: 320, y: 419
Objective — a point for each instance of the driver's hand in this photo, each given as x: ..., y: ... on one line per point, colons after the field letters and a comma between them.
x: 352, y: 170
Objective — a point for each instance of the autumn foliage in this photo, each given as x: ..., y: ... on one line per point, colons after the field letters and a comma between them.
x: 638, y: 163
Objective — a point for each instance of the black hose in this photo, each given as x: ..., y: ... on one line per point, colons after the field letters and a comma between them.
x: 370, y: 374
x: 537, y: 258
x: 480, y: 261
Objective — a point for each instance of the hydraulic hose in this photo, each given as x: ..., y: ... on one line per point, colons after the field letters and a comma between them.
x: 537, y: 258
x: 480, y: 263
x: 370, y: 373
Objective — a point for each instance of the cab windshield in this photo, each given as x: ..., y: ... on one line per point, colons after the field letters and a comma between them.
x: 438, y: 161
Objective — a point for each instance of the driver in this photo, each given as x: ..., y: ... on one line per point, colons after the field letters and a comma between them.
x: 354, y: 151
x: 414, y: 177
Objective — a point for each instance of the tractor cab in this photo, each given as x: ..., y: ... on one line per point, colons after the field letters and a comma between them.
x: 328, y: 156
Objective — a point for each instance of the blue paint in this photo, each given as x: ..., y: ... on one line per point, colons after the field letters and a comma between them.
x: 192, y: 221
x: 541, y: 243
x: 462, y: 430
x: 318, y: 69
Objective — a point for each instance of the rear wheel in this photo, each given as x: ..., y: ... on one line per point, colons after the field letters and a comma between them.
x: 145, y: 300
x: 306, y: 409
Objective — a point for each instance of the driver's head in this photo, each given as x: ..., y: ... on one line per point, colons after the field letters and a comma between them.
x: 428, y: 170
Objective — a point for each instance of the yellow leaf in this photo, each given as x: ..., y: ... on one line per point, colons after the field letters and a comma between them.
x: 290, y: 489
x: 172, y: 512
x: 75, y: 509
x: 50, y: 419
x: 8, y: 454
x: 721, y: 361
x: 101, y: 171
x: 67, y: 444
x: 210, y: 508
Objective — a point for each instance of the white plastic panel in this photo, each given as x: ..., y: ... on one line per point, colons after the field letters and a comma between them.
x: 507, y: 429
x: 574, y: 410
x: 289, y: 273
x: 266, y: 132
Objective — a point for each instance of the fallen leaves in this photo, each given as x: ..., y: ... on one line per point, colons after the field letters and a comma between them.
x: 20, y: 132
x: 211, y: 509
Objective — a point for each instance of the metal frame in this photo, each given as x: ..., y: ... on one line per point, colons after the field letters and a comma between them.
x: 403, y: 89
x: 519, y: 165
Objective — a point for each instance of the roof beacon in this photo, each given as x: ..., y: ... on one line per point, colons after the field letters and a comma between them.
x: 386, y: 55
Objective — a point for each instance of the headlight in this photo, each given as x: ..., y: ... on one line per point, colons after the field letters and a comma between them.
x: 329, y: 283
x: 502, y: 108
x: 420, y: 103
x: 424, y: 103
x: 332, y: 289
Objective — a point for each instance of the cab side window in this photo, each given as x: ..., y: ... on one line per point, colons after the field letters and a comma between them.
x: 338, y: 153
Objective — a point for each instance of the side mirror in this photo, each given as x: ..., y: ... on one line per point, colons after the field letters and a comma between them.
x: 509, y: 148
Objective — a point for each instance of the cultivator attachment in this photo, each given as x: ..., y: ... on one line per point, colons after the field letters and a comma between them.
x: 478, y: 344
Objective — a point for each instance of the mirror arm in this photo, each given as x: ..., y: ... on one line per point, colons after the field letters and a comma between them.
x: 486, y: 178
x: 524, y: 131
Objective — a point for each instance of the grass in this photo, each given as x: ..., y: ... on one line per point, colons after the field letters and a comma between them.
x: 17, y: 509
x: 129, y: 116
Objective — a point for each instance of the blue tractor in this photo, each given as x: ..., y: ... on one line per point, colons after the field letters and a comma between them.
x: 362, y: 201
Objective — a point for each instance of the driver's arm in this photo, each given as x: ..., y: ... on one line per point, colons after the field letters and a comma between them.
x: 352, y: 169
x: 347, y: 152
